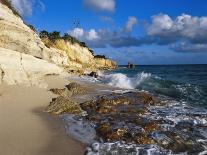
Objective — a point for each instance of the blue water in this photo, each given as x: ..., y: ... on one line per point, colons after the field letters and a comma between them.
x: 186, y: 83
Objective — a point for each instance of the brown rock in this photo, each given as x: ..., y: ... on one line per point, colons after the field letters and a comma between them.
x: 143, y: 139
x: 61, y: 105
x: 62, y: 92
x: 75, y: 88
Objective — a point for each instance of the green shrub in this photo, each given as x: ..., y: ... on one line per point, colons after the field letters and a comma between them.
x: 44, y: 34
x: 100, y: 56
x: 32, y: 27
x: 54, y: 35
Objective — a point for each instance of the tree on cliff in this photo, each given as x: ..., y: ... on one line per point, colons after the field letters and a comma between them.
x: 44, y: 34
x: 54, y: 35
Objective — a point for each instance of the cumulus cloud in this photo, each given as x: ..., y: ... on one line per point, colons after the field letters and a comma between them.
x: 25, y: 7
x: 132, y: 21
x: 105, y: 37
x: 184, y: 33
x: 79, y: 33
x: 183, y: 27
x: 100, y: 5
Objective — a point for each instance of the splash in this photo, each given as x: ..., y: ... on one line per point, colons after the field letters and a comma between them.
x: 123, y: 81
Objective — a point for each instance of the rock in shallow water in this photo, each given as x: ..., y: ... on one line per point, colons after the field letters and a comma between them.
x: 134, y: 117
x: 61, y: 105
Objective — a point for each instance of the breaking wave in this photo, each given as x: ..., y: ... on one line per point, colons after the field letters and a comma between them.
x: 123, y: 81
x: 191, y: 93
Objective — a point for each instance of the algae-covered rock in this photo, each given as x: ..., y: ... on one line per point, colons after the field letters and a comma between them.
x: 62, y: 92
x: 75, y: 88
x: 61, y: 105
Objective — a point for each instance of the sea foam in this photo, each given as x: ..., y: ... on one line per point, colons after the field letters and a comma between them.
x: 123, y: 81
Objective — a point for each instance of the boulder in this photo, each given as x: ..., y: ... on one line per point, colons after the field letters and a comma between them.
x: 62, y: 105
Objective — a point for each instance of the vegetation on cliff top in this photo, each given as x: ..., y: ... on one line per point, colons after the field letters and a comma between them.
x: 9, y: 5
x: 49, y: 38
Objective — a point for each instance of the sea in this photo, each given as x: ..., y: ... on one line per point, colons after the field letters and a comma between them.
x: 183, y: 127
x: 184, y: 83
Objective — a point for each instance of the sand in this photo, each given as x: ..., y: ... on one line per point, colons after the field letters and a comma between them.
x: 25, y: 129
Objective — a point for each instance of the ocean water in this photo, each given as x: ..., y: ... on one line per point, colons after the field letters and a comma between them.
x: 182, y: 121
x: 186, y: 83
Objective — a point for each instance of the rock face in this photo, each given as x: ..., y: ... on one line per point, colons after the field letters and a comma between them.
x: 20, y: 68
x: 16, y: 35
x: 24, y: 58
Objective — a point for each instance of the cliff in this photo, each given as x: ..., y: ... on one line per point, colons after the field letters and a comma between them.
x: 20, y: 42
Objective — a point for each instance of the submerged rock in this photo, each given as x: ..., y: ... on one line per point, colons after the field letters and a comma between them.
x: 61, y: 105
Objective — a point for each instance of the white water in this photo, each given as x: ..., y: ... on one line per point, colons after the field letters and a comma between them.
x: 123, y: 81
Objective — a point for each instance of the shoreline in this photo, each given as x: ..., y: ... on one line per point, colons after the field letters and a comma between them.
x: 27, y: 129
x: 26, y: 124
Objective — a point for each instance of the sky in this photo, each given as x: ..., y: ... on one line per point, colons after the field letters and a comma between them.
x: 143, y: 32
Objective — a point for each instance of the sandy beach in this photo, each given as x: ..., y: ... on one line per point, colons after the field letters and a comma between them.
x: 26, y: 129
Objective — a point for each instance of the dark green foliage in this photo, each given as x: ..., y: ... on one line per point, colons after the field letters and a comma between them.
x: 9, y: 5
x: 91, y: 51
x: 100, y: 56
x: 71, y: 39
x: 44, y: 34
x: 54, y: 35
x: 32, y: 27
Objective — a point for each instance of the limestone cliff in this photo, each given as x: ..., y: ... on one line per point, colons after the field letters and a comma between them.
x: 15, y: 35
x: 23, y: 54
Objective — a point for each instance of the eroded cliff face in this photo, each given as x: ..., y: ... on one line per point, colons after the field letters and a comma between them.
x: 24, y: 58
x: 16, y: 35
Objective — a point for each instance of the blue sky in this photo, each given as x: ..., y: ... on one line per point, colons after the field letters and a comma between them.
x: 139, y: 31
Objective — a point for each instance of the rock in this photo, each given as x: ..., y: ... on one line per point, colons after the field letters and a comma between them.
x: 62, y: 92
x: 130, y: 65
x: 19, y: 68
x: 75, y: 88
x: 93, y: 74
x: 61, y: 105
x: 143, y: 139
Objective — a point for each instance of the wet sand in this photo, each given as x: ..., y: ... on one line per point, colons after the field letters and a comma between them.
x: 25, y: 129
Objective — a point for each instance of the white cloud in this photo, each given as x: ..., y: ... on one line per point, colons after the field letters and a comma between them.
x: 100, y: 5
x: 79, y: 33
x: 92, y: 35
x: 25, y: 7
x: 105, y: 37
x: 182, y: 27
x: 132, y: 21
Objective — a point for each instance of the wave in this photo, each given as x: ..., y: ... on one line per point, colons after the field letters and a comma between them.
x: 123, y: 81
x: 146, y: 81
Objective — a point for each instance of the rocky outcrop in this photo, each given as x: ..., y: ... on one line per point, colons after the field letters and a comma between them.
x: 20, y: 68
x: 130, y: 65
x: 64, y: 103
